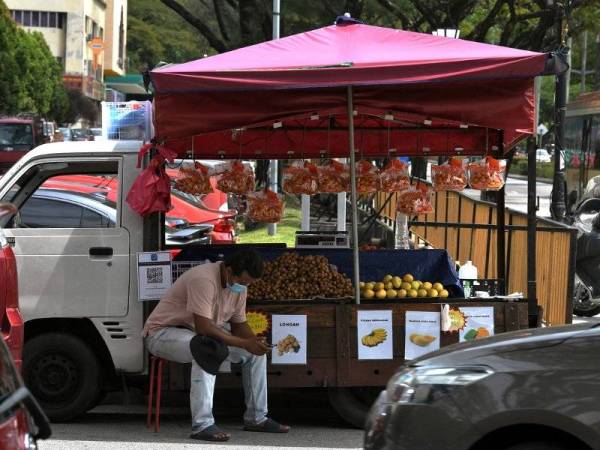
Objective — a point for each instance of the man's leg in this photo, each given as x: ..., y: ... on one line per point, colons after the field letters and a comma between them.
x: 173, y: 344
x: 254, y: 379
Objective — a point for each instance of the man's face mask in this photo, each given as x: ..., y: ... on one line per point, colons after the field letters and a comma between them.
x: 236, y: 288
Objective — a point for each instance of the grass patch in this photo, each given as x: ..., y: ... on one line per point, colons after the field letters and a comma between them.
x: 286, y: 230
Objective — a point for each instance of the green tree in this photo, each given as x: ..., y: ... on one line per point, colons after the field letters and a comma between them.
x: 30, y: 77
x: 155, y: 33
x: 10, y: 84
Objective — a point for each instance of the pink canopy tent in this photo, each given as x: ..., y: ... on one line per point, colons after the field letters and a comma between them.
x: 350, y: 89
x: 412, y: 92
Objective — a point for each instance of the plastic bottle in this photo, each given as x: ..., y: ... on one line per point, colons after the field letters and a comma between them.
x: 467, y: 274
x: 402, y: 237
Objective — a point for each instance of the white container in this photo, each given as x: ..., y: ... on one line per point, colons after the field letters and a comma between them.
x: 126, y: 121
x: 467, y: 273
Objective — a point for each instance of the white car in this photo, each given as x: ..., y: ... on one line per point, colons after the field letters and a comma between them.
x: 542, y: 155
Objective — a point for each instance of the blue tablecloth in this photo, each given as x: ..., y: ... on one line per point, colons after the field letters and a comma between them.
x: 426, y: 265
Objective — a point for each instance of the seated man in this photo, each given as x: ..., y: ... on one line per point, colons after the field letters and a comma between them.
x: 200, y: 302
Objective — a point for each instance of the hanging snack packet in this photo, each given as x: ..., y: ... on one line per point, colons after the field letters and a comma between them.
x: 415, y: 200
x: 194, y: 180
x: 301, y: 177
x: 367, y: 177
x: 450, y: 176
x: 394, y: 176
x: 334, y: 177
x: 235, y: 177
x: 487, y: 174
x: 265, y: 206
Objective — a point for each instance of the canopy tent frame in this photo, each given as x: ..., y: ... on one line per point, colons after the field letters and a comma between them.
x: 480, y: 95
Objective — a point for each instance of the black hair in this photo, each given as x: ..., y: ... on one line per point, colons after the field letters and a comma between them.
x: 245, y: 260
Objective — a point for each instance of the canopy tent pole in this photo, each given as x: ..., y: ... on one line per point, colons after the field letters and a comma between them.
x: 353, y: 196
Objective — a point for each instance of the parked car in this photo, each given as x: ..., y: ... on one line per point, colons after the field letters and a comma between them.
x: 22, y: 421
x: 54, y: 208
x: 11, y: 321
x: 97, y: 132
x: 196, y: 211
x: 542, y: 155
x: 66, y: 132
x: 525, y: 390
x: 81, y: 134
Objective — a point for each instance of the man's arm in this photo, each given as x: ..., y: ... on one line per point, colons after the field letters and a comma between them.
x: 251, y: 343
x: 242, y: 329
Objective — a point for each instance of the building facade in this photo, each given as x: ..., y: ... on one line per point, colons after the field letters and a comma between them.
x: 87, y: 37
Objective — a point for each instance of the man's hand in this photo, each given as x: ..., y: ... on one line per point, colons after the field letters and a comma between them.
x: 256, y: 346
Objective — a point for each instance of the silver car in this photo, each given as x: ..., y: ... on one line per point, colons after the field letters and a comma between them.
x: 535, y: 389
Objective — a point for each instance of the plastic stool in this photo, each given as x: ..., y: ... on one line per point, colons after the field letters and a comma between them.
x: 156, y: 369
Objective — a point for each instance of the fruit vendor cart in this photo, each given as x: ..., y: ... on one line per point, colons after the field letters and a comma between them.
x: 358, y: 92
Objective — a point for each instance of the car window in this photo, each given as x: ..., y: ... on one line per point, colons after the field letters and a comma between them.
x: 46, y: 213
x: 92, y: 219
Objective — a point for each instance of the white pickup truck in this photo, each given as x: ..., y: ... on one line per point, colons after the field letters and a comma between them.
x: 77, y: 275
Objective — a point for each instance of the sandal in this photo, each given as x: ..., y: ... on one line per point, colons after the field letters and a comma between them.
x: 267, y: 426
x: 211, y: 433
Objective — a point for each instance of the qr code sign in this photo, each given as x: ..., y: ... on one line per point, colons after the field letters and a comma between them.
x: 154, y: 275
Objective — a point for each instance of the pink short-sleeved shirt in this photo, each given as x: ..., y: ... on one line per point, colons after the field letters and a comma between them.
x: 197, y: 291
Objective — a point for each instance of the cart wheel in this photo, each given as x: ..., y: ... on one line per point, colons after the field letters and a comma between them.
x: 353, y: 403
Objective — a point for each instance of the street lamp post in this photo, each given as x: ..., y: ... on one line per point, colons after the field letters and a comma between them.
x: 558, y: 207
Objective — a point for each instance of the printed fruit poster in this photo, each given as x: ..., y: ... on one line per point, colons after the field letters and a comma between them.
x: 480, y: 323
x: 422, y: 333
x: 289, y: 339
x: 374, y: 332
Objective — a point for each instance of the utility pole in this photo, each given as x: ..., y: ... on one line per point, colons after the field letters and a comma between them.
x: 558, y: 206
x: 273, y: 165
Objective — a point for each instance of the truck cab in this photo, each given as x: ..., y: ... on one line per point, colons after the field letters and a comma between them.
x: 18, y: 135
x: 77, y: 277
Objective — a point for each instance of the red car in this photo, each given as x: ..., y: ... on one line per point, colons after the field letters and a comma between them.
x: 211, y: 209
x: 19, y: 411
x: 11, y: 321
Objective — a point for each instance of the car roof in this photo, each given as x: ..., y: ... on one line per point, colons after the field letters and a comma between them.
x: 86, y: 147
x: 81, y: 199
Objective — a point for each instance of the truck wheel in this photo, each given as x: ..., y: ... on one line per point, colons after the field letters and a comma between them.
x: 63, y: 374
x: 353, y: 403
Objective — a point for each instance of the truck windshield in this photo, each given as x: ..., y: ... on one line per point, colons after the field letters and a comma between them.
x: 16, y: 136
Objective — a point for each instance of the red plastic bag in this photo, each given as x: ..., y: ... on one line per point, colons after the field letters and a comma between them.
x: 451, y: 176
x: 487, y: 174
x: 301, y: 177
x: 415, y: 200
x: 367, y: 177
x: 334, y: 177
x: 394, y: 177
x: 151, y: 191
x: 194, y: 180
x: 265, y: 206
x: 235, y: 178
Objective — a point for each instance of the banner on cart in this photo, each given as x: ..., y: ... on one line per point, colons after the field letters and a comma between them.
x: 375, y: 334
x: 289, y: 339
x: 422, y: 333
x: 154, y: 274
x: 480, y: 323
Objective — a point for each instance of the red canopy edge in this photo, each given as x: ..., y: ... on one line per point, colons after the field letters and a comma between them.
x: 414, y: 75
